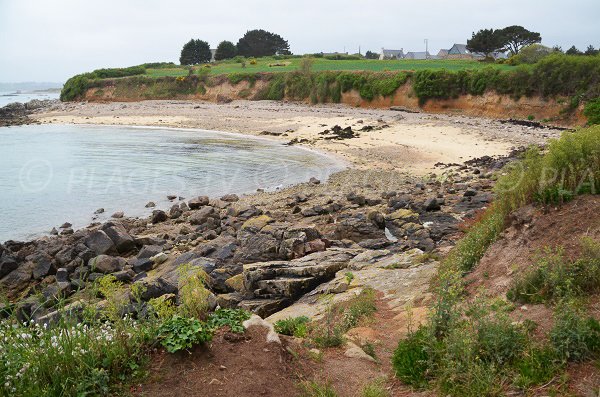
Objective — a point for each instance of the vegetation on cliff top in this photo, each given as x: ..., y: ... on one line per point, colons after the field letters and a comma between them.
x: 574, y: 77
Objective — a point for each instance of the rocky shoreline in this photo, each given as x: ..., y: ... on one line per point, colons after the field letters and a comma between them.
x: 18, y: 113
x: 415, y: 179
x: 261, y: 252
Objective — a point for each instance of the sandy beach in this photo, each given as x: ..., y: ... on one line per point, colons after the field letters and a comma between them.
x: 386, y: 139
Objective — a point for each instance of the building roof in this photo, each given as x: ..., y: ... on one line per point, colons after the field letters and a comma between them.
x: 392, y: 52
x: 417, y: 55
x: 460, y: 49
x: 442, y: 53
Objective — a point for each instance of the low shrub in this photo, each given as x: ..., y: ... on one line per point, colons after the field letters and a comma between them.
x: 293, y: 326
x: 193, y: 294
x: 119, y: 72
x: 179, y: 333
x: 232, y: 318
x: 592, y: 111
x: 574, y: 336
x: 411, y: 358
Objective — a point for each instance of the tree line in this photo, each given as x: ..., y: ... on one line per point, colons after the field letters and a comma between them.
x: 514, y: 39
x: 255, y: 43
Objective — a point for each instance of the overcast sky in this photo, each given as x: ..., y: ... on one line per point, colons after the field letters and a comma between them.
x: 51, y: 40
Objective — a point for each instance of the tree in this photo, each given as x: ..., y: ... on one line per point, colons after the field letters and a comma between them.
x: 532, y: 54
x: 486, y: 41
x: 194, y: 52
x: 371, y: 55
x: 260, y: 43
x: 573, y: 51
x: 591, y: 50
x: 225, y: 50
x: 516, y: 37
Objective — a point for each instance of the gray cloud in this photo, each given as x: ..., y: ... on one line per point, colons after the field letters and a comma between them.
x: 52, y: 40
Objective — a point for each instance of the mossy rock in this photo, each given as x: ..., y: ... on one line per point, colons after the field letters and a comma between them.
x: 257, y: 223
x: 403, y: 215
x: 236, y: 283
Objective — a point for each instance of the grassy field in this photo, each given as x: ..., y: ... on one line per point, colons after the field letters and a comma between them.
x: 271, y: 65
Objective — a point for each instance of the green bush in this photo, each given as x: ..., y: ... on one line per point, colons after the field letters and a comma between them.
x: 179, y: 333
x: 592, y: 111
x: 119, y: 72
x: 232, y: 318
x: 236, y: 78
x: 574, y: 336
x: 293, y: 326
x: 411, y: 358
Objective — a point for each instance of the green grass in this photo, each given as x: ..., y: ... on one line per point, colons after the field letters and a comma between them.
x: 315, y: 389
x: 320, y: 64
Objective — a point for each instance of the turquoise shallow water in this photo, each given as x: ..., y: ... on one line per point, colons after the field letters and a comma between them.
x: 50, y: 174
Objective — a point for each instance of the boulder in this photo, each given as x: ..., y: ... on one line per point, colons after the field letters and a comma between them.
x: 119, y: 236
x: 356, y: 228
x: 203, y: 215
x: 106, y: 264
x: 356, y: 199
x: 198, y: 202
x: 432, y: 204
x: 100, y: 243
x: 230, y: 198
x: 143, y: 265
x: 158, y: 216
x: 62, y: 275
x: 7, y: 264
x: 149, y: 251
x: 290, y: 279
x: 42, y: 266
x: 56, y: 291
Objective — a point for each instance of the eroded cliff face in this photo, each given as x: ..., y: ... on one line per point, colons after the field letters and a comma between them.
x: 490, y: 104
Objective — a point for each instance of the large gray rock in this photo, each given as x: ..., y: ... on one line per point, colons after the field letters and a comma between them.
x: 158, y: 216
x: 148, y: 251
x: 7, y: 265
x: 106, y: 264
x: 285, y: 281
x: 99, y: 242
x: 42, y: 266
x: 119, y: 236
x: 198, y: 202
x: 203, y: 215
x: 357, y: 228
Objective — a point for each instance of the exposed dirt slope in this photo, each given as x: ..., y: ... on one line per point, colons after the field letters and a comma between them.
x: 489, y: 105
x: 532, y: 231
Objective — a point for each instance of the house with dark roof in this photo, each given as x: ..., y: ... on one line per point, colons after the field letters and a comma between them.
x: 417, y: 55
x: 442, y: 54
x: 391, y: 54
x: 459, y: 49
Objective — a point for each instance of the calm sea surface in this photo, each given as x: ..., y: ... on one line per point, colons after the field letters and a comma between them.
x: 50, y: 174
x: 7, y: 97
